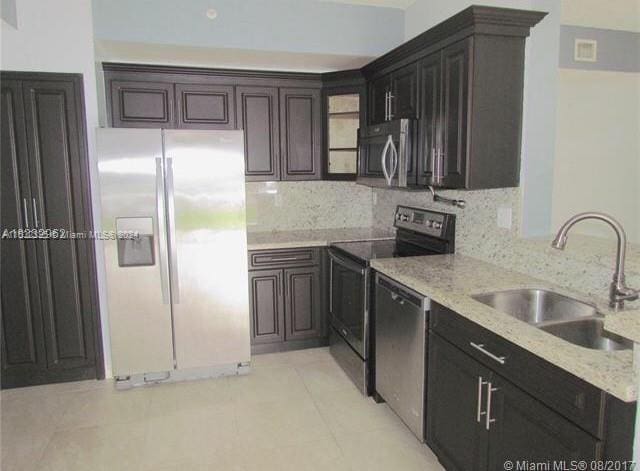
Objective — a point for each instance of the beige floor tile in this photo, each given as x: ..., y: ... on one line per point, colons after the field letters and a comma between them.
x: 22, y: 445
x: 393, y: 448
x: 320, y: 455
x: 199, y: 435
x: 310, y: 355
x: 269, y: 360
x: 348, y: 411
x: 280, y: 423
x: 324, y: 376
x: 103, y: 448
x: 268, y: 385
x: 292, y: 358
x: 295, y: 411
x: 191, y: 395
x: 104, y: 406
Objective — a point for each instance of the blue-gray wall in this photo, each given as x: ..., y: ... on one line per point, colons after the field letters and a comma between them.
x: 307, y: 26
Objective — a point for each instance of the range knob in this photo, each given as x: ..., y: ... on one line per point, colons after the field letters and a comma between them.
x: 429, y: 223
x: 404, y: 217
x: 437, y: 225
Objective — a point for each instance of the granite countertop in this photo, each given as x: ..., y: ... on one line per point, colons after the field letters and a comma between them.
x: 625, y: 324
x: 313, y: 238
x: 450, y: 280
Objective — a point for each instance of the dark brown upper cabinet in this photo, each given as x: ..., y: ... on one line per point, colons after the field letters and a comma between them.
x: 445, y: 86
x: 143, y: 104
x: 463, y: 80
x: 205, y: 106
x: 394, y: 95
x: 403, y: 101
x: 257, y: 112
x: 300, y: 133
x: 49, y: 307
x: 379, y: 90
x: 280, y: 112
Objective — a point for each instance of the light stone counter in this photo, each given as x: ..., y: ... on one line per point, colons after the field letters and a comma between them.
x: 625, y: 324
x: 450, y: 280
x: 313, y: 238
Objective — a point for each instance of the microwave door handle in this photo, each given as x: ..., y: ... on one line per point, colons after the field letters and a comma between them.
x: 394, y: 161
x: 383, y: 158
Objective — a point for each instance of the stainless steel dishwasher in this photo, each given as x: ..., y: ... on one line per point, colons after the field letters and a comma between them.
x: 400, y: 351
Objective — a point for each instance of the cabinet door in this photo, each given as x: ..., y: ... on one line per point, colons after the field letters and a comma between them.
x: 59, y: 177
x: 404, y: 92
x: 430, y: 109
x: 455, y: 113
x: 455, y: 420
x: 525, y: 429
x: 266, y: 306
x: 142, y: 104
x: 23, y: 352
x: 205, y: 106
x: 303, y: 303
x: 378, y: 90
x: 257, y: 112
x: 300, y: 133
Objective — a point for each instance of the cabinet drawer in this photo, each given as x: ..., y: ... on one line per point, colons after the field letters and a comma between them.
x: 567, y: 394
x: 283, y: 258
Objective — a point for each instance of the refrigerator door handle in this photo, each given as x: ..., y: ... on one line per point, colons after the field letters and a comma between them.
x: 162, y: 231
x: 171, y: 221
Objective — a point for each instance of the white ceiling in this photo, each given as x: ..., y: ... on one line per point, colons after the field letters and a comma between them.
x: 402, y: 4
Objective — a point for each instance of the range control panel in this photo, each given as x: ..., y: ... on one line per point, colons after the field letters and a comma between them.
x: 424, y: 221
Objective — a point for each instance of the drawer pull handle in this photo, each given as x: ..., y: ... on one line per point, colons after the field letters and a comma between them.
x: 481, y: 384
x: 480, y: 348
x: 282, y: 259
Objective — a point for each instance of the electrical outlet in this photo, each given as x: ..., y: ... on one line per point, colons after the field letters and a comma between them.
x: 504, y: 218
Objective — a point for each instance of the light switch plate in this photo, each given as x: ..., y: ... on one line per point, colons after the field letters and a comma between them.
x: 504, y: 217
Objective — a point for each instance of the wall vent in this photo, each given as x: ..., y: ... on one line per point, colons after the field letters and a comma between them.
x: 586, y: 50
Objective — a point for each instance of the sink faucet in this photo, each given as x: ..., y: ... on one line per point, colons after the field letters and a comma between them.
x: 619, y: 292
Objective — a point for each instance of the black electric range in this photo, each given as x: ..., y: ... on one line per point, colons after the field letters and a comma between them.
x: 418, y: 232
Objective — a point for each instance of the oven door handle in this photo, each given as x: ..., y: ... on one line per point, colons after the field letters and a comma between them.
x: 352, y: 266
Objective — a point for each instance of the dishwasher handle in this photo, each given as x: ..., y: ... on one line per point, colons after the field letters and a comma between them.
x: 402, y: 295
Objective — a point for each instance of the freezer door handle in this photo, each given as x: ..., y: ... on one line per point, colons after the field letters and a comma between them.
x: 171, y: 222
x: 26, y: 213
x: 161, y: 228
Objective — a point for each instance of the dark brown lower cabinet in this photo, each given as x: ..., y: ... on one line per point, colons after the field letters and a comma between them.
x: 48, y: 296
x: 525, y: 429
x: 303, y: 303
x: 455, y: 431
x: 286, y: 300
x: 476, y: 420
x: 266, y: 306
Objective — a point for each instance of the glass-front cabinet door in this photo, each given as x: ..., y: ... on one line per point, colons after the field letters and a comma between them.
x: 343, y: 119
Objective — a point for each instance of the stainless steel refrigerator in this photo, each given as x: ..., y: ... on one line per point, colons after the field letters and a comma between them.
x: 178, y: 303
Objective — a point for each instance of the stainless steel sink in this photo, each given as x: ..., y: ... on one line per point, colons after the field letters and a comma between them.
x: 567, y: 318
x: 588, y: 333
x: 536, y: 306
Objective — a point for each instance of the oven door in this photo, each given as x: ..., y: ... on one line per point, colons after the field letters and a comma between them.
x: 349, y: 301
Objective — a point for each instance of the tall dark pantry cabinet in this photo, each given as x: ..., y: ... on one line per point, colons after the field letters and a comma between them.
x: 50, y: 324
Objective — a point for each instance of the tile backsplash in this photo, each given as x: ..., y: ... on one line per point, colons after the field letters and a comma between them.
x: 586, y: 266
x: 286, y: 206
